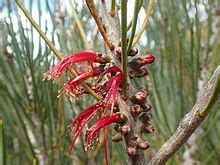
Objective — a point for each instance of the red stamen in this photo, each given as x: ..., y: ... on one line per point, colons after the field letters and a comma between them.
x: 91, y: 137
x: 68, y: 61
x: 82, y: 119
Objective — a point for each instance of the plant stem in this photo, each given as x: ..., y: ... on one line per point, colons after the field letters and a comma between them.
x: 52, y: 47
x: 79, y: 25
x: 144, y: 25
x: 214, y: 94
x: 124, y: 45
x: 134, y: 24
x: 139, y: 8
x: 98, y: 21
x: 2, y: 150
x: 112, y: 11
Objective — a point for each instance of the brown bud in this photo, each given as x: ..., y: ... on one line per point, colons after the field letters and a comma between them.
x: 133, y: 52
x: 132, y: 151
x: 146, y: 116
x: 146, y: 107
x: 118, y: 52
x: 122, y: 117
x: 141, y: 72
x: 141, y: 61
x: 148, y: 129
x: 140, y: 96
x: 116, y: 138
x: 117, y: 127
x: 125, y: 129
x: 135, y: 110
x: 143, y: 145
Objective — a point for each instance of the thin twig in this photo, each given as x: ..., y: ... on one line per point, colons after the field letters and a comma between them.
x: 134, y: 25
x: 190, y: 121
x: 80, y: 27
x: 139, y: 8
x: 144, y: 25
x: 98, y: 21
x: 53, y: 48
x: 2, y: 144
x: 124, y: 45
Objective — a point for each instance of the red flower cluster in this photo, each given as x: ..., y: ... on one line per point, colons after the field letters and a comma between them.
x: 72, y: 87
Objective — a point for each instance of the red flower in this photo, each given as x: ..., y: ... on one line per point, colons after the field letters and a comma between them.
x: 82, y: 119
x: 66, y: 63
x: 72, y: 87
x: 109, y: 90
x: 91, y: 137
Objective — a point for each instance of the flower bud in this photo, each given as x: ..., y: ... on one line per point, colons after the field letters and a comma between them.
x: 117, y: 127
x: 146, y: 117
x: 117, y: 138
x: 118, y: 52
x: 125, y: 129
x: 141, y: 72
x: 121, y: 117
x: 135, y: 110
x: 133, y: 52
x: 143, y: 60
x: 132, y: 151
x: 148, y: 129
x: 146, y: 107
x: 140, y: 96
x: 143, y: 145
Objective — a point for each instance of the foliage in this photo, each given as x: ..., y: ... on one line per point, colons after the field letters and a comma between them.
x: 178, y: 33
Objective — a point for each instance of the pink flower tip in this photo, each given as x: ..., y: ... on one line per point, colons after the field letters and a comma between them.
x: 147, y: 59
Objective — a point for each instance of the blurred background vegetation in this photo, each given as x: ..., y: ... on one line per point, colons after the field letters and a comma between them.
x: 183, y: 34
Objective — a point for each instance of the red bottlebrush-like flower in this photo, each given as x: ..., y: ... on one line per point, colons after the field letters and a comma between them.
x: 72, y: 88
x: 91, y: 137
x: 66, y: 63
x: 82, y: 119
x: 112, y: 87
x: 110, y: 90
